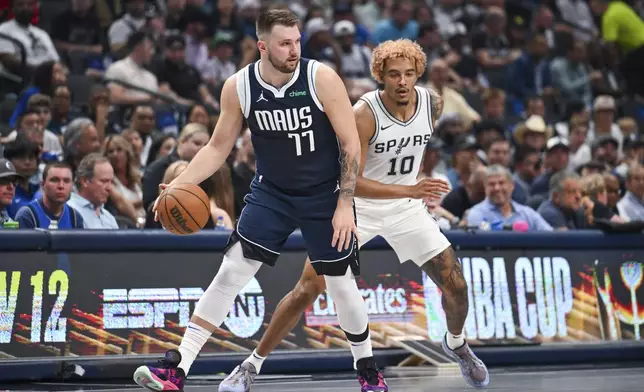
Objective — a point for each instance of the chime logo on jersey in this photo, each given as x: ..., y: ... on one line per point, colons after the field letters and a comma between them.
x: 291, y: 119
x: 247, y: 315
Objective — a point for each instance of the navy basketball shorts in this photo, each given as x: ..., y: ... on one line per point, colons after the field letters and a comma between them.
x: 271, y: 215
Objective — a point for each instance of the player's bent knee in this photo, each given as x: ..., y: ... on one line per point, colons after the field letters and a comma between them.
x: 307, y: 290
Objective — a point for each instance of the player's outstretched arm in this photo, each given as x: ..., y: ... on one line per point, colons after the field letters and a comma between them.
x: 210, y: 158
x: 337, y: 106
x: 371, y: 189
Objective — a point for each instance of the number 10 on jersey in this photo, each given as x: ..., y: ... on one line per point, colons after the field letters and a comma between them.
x: 298, y: 141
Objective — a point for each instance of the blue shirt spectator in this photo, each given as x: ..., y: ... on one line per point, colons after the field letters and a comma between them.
x: 94, y: 217
x: 36, y: 215
x: 51, y: 210
x: 488, y: 212
x: 631, y: 207
x: 564, y: 210
x: 498, y: 209
x: 399, y: 26
x: 530, y: 74
x: 95, y: 177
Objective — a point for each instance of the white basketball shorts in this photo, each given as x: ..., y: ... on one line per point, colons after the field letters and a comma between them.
x: 408, y: 228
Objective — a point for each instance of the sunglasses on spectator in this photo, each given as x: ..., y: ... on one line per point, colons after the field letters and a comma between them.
x: 8, y: 180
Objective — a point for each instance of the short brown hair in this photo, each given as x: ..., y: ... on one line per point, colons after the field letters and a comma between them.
x: 490, y: 94
x: 275, y: 17
x: 39, y: 100
x: 56, y: 165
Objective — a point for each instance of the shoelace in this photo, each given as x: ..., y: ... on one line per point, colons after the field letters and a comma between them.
x: 238, y: 374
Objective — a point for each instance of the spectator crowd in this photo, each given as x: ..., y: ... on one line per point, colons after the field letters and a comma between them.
x: 103, y: 100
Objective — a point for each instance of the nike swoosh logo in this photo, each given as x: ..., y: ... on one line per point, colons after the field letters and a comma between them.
x: 382, y: 127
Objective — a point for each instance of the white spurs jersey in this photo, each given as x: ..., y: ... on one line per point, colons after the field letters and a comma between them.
x: 396, y: 148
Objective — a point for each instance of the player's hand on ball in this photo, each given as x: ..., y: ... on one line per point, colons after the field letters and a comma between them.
x: 344, y: 227
x: 431, y: 188
x: 162, y: 188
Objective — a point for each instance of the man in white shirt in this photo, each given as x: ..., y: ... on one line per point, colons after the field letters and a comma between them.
x: 130, y: 70
x: 36, y: 42
x: 133, y: 20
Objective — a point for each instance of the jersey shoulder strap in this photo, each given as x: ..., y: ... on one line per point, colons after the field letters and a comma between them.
x: 243, y: 89
x: 34, y: 213
x: 372, y: 102
x: 72, y: 216
x: 428, y: 106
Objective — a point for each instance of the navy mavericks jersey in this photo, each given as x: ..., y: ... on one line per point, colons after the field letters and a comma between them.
x: 295, y: 145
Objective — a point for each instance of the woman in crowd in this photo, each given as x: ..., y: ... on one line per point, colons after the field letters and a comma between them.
x: 219, y: 189
x: 191, y: 139
x: 222, y: 197
x: 127, y: 180
x: 161, y: 147
x: 134, y: 138
x: 198, y: 114
x: 594, y: 187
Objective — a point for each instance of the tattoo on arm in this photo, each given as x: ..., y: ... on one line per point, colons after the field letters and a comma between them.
x: 437, y: 105
x: 348, y: 174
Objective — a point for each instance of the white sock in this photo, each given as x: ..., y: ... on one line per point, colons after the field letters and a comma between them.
x: 361, y: 350
x: 256, y: 360
x: 193, y: 340
x: 352, y: 313
x: 455, y: 341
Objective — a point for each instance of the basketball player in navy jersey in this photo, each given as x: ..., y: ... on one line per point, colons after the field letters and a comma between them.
x: 394, y: 125
x: 297, y: 111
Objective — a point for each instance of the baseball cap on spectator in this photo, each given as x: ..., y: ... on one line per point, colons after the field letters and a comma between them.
x: 314, y: 26
x: 604, y: 102
x: 593, y: 165
x: 175, y: 42
x: 629, y: 143
x: 7, y: 169
x: 535, y: 124
x: 448, y: 119
x: 344, y: 28
x: 465, y: 143
x: 557, y: 142
x: 223, y: 38
x: 434, y: 144
x: 489, y: 125
x: 604, y: 140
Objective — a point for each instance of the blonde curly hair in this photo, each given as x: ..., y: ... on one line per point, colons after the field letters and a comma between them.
x: 390, y: 50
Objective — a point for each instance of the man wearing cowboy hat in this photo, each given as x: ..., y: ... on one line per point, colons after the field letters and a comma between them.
x: 8, y: 179
x: 533, y: 133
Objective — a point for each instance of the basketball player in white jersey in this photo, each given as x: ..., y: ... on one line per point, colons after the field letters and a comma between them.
x: 394, y: 125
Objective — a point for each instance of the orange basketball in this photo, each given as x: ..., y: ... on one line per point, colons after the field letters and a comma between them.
x: 183, y: 209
